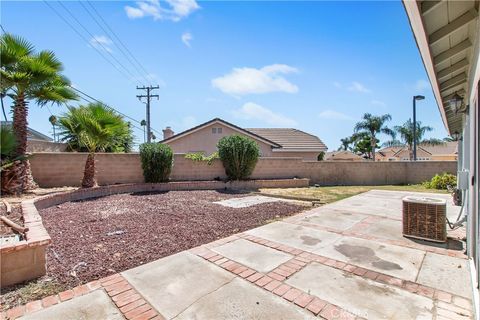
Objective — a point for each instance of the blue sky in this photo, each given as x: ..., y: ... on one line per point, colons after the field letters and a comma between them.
x: 316, y: 66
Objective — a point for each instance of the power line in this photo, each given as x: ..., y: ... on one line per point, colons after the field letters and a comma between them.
x: 92, y: 99
x: 110, y: 33
x: 86, y: 40
x: 93, y: 37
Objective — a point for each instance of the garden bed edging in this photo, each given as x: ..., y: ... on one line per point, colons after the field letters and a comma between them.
x: 26, y: 259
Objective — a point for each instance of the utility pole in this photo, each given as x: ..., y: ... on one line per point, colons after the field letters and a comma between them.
x: 149, y: 96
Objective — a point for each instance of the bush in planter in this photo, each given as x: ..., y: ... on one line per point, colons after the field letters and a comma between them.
x: 441, y: 181
x: 157, y: 162
x: 239, y: 156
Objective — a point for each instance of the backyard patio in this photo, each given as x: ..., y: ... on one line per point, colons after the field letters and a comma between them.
x: 344, y: 260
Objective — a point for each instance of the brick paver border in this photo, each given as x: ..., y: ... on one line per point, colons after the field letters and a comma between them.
x: 130, y: 303
x: 445, y: 304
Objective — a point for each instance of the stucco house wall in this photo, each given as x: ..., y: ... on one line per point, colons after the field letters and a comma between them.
x: 204, y: 140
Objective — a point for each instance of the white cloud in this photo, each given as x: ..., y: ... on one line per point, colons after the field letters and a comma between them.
x: 378, y: 103
x: 358, y: 87
x: 252, y: 111
x: 243, y: 81
x: 186, y: 38
x: 102, y: 43
x: 177, y: 10
x: 422, y: 85
x: 334, y: 115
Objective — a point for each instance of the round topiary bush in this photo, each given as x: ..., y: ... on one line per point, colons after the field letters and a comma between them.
x: 157, y: 162
x: 239, y: 156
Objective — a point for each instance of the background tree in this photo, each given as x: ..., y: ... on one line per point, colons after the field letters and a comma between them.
x: 29, y: 76
x: 362, y: 144
x: 321, y: 156
x: 121, y: 141
x: 373, y: 125
x: 94, y: 128
x: 345, y: 144
x: 405, y: 132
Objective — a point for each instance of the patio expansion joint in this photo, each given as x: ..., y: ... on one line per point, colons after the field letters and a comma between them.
x: 200, y: 298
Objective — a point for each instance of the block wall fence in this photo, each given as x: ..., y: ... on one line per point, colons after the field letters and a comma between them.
x: 59, y: 169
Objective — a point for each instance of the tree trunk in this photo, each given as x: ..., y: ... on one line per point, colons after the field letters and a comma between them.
x: 410, y: 153
x: 374, y: 143
x: 20, y: 112
x: 89, y: 180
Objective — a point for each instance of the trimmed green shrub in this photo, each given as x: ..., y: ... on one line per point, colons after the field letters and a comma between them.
x: 201, y: 157
x: 157, y: 162
x: 239, y: 156
x: 441, y: 181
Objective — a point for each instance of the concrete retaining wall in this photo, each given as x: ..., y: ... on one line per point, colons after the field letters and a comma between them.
x: 66, y: 169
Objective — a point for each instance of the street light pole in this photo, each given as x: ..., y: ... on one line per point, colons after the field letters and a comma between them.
x: 415, y: 98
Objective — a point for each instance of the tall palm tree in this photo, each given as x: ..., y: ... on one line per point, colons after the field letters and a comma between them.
x: 93, y: 128
x: 405, y: 132
x: 29, y: 76
x: 374, y: 125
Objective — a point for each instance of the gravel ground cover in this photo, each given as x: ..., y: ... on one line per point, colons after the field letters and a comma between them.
x: 97, y: 237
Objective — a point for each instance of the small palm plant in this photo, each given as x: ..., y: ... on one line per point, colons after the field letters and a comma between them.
x: 373, y: 125
x: 93, y: 128
x: 29, y: 76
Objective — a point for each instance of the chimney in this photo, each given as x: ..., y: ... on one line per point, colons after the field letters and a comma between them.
x: 167, y: 133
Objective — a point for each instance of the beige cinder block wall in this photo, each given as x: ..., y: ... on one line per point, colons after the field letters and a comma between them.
x: 66, y: 169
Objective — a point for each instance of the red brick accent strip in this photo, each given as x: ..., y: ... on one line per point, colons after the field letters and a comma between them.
x: 123, y: 295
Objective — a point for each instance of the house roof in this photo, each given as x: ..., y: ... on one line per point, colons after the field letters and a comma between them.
x: 281, y: 139
x: 226, y: 123
x: 342, y: 155
x: 31, y: 133
x: 446, y: 148
x: 291, y: 139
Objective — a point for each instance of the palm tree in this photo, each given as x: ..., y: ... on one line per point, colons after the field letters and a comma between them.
x: 405, y: 131
x: 143, y: 123
x: 93, y: 128
x: 374, y: 125
x: 345, y: 144
x: 26, y: 76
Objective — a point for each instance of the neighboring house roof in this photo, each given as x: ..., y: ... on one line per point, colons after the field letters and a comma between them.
x: 342, y: 155
x: 31, y: 133
x: 281, y: 139
x: 291, y: 139
x: 447, y: 148
x: 228, y: 124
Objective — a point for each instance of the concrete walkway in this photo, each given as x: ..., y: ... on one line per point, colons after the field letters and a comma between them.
x: 345, y: 260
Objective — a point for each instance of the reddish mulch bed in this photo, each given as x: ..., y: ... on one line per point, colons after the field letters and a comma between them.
x: 97, y: 237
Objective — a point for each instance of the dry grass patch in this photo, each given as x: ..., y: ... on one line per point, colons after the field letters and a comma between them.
x: 332, y: 194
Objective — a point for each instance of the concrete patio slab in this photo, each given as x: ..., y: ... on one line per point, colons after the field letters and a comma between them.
x: 332, y: 218
x: 252, y: 255
x: 363, y: 297
x: 393, y: 260
x: 386, y: 229
x: 242, y: 300
x: 245, y: 202
x: 173, y: 283
x: 92, y: 306
x: 296, y: 236
x: 445, y: 273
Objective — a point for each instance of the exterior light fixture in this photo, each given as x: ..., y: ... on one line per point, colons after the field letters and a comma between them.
x: 455, y: 136
x: 455, y: 103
